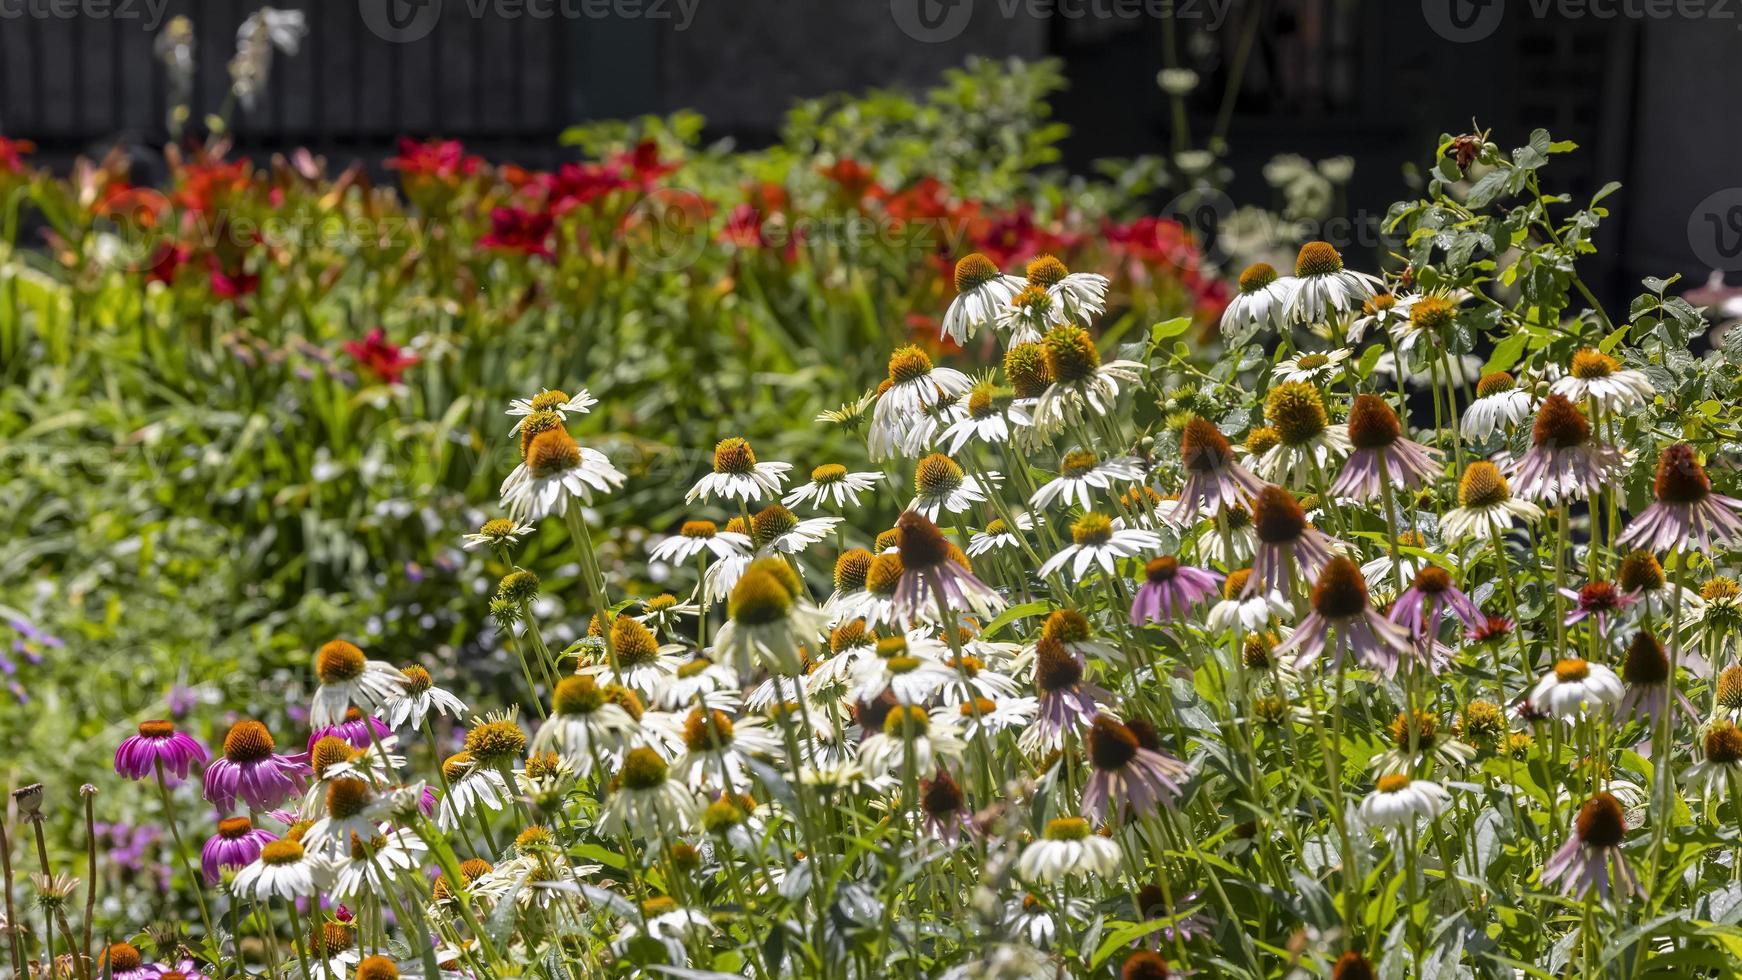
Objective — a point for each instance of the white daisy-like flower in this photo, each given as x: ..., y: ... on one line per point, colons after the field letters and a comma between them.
x: 349, y: 812
x: 718, y: 748
x: 700, y: 679
x: 697, y: 537
x: 1576, y: 687
x: 283, y: 870
x: 930, y: 738
x: 1081, y: 473
x: 1322, y: 284
x: 738, y: 476
x: 1030, y: 314
x: 940, y: 486
x: 1080, y: 380
x: 1399, y: 801
x: 498, y: 532
x: 776, y: 530
x: 644, y: 665
x: 583, y: 728
x: 1068, y: 848
x: 834, y: 485
x: 988, y: 418
x: 1501, y: 403
x: 368, y: 867
x: 1248, y: 613
x: 1317, y: 367
x: 1262, y: 301
x: 470, y: 786
x: 1387, y: 312
x: 662, y: 612
x: 1486, y: 507
x: 348, y: 678
x: 999, y: 535
x: 916, y: 386
x: 1308, y: 446
x: 646, y: 801
x: 1598, y: 376
x: 1096, y: 542
x: 1717, y: 773
x: 550, y: 400
x: 982, y: 292
x: 770, y: 622
x: 555, y: 470
x: 906, y: 666
x: 995, y: 715
x: 1081, y: 296
x: 417, y: 699
x: 668, y: 924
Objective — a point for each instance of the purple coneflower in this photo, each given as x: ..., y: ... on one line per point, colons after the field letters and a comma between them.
x: 1687, y: 514
x: 1213, y: 480
x: 946, y: 810
x: 1563, y: 462
x: 1067, y: 700
x: 933, y: 568
x: 1381, y: 453
x: 1644, y: 679
x: 236, y: 845
x: 1284, y: 536
x: 1126, y: 774
x: 1422, y: 607
x: 158, y: 744
x: 122, y: 961
x: 252, y: 770
x: 1591, y: 857
x: 1170, y: 589
x: 354, y: 729
x: 1597, y: 601
x: 1340, y: 601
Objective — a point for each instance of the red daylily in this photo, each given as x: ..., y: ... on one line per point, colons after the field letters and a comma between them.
x: 515, y: 229
x: 377, y: 356
x: 12, y: 154
x: 441, y: 160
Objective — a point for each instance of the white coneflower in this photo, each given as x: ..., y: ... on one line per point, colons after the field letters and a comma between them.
x: 1322, y: 284
x: 1249, y: 613
x: 417, y: 699
x: 1080, y: 296
x: 1500, y: 405
x: 999, y: 535
x: 771, y: 623
x: 262, y: 32
x: 348, y: 678
x: 697, y: 537
x: 700, y: 679
x: 645, y: 801
x: 1715, y: 775
x: 940, y: 485
x: 910, y: 732
x: 719, y: 748
x: 1262, y: 301
x: 1308, y: 445
x: 1081, y: 473
x: 1096, y: 542
x: 1576, y: 687
x: 1598, y: 376
x: 1386, y: 311
x: 981, y: 294
x: 777, y: 531
x: 1399, y: 801
x: 1317, y: 367
x: 662, y: 612
x: 470, y: 786
x: 1486, y: 507
x: 1079, y: 379
x: 550, y: 400
x: 583, y: 727
x: 499, y: 532
x: 283, y: 870
x: 644, y: 665
x: 369, y: 866
x: 1030, y: 314
x: 669, y: 925
x: 989, y: 417
x: 995, y: 715
x: 349, y: 811
x: 554, y: 471
x: 1068, y: 848
x: 916, y: 386
x: 909, y: 668
x: 738, y: 476
x: 832, y: 484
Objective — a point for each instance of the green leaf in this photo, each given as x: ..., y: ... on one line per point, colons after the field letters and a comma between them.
x: 1506, y: 353
x: 1013, y: 614
x: 1170, y: 328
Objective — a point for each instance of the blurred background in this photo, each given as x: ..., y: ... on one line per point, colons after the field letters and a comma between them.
x: 1375, y: 80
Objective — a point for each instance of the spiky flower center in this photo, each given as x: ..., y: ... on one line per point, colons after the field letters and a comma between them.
x: 1723, y: 743
x: 770, y: 523
x: 518, y: 586
x: 1066, y: 626
x: 1092, y: 529
x: 733, y: 455
x: 1317, y: 259
x: 1590, y: 365
x: 885, y: 574
x: 974, y: 270
x: 922, y: 545
x: 1372, y: 423
x: 1202, y: 447
x: 908, y: 364
x: 1296, y: 411
x: 906, y: 721
x: 1483, y: 486
x: 1433, y: 580
x: 1729, y: 693
x: 1640, y: 572
x: 338, y: 661
x: 1432, y: 314
x: 123, y: 958
x: 1494, y: 384
x: 937, y: 476
x: 1599, y: 597
x: 1235, y: 584
x: 635, y: 644
x: 707, y: 732
x: 1070, y: 354
x: 1257, y: 276
x: 1352, y: 966
x: 1066, y: 828
x: 1680, y: 477
x: 543, y: 765
x: 851, y: 568
x: 1646, y: 664
x: 1601, y: 822
x: 829, y: 473
x: 975, y: 707
x: 417, y: 679
x: 280, y: 852
x: 577, y: 695
x: 1161, y: 569
x: 346, y: 798
x: 850, y: 635
x: 1032, y: 299
x: 546, y: 401
x: 1277, y: 518
x: 996, y: 527
x: 1719, y: 588
x: 1341, y: 591
x: 552, y: 452
x: 1484, y: 721
x: 1078, y: 463
x: 643, y: 769
x: 1560, y: 424
x: 1255, y: 651
x: 941, y: 796
x: 758, y: 599
x: 499, y: 741
x: 535, y: 425
x: 699, y: 529
x: 1262, y: 439
x: 377, y: 968
x: 1025, y: 366
x: 1393, y: 783
x: 1425, y: 728
x: 156, y: 729
x: 1046, y: 270
x: 982, y: 400
x: 1111, y: 744
x: 329, y: 751
x: 248, y: 741
x: 1571, y: 670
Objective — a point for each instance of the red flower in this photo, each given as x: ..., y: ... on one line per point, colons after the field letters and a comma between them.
x: 442, y: 160
x: 853, y: 177
x: 577, y: 184
x: 642, y: 163
x: 375, y: 355
x: 207, y: 185
x: 230, y: 284
x: 519, y: 230
x: 1011, y: 240
x: 12, y: 154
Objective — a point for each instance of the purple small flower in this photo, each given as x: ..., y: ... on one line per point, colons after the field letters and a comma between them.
x: 1287, y: 544
x: 1213, y: 480
x: 1067, y: 700
x: 1597, y: 601
x: 1591, y: 857
x: 354, y: 730
x: 237, y: 844
x: 1421, y: 609
x: 1381, y: 455
x: 1127, y: 775
x: 1686, y: 513
x: 1169, y: 590
x: 252, y: 770
x: 157, y: 744
x: 1340, y: 600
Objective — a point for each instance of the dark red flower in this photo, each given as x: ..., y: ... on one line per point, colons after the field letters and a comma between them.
x: 519, y: 230
x: 380, y: 358
x: 12, y: 154
x: 442, y: 160
x: 230, y: 282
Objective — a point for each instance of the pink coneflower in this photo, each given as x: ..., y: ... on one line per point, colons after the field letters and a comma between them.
x: 1381, y: 453
x: 1591, y: 857
x: 1563, y: 462
x: 184, y: 970
x: 121, y: 961
x: 1597, y: 601
x: 237, y: 844
x: 934, y: 571
x: 1340, y: 601
x: 1644, y: 679
x: 354, y: 730
x: 946, y: 809
x: 1284, y: 537
x: 1489, y: 629
x: 1126, y: 774
x: 1169, y: 590
x: 1067, y: 700
x: 1213, y: 480
x: 252, y: 770
x: 1422, y: 607
x: 157, y: 744
x: 1687, y: 514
